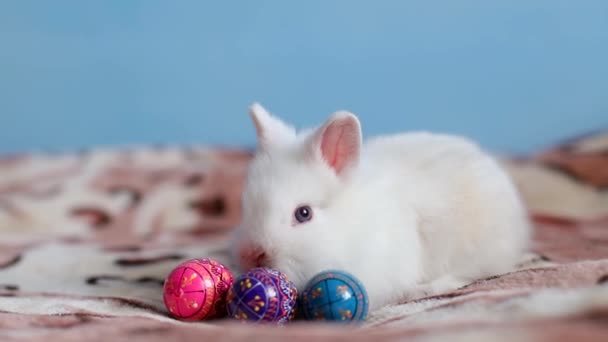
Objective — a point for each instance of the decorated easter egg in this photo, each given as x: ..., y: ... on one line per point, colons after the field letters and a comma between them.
x: 262, y: 295
x: 334, y: 296
x: 196, y: 289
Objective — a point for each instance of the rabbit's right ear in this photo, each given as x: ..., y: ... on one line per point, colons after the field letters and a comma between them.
x: 338, y: 142
x: 270, y: 130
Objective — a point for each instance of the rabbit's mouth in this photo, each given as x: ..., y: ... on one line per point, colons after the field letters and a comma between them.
x: 251, y: 257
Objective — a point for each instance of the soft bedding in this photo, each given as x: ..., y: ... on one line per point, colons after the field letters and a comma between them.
x: 87, y: 238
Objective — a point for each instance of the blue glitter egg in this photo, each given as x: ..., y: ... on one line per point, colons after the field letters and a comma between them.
x: 262, y: 295
x: 334, y: 296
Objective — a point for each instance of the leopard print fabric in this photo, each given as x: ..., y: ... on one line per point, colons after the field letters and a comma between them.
x: 86, y: 240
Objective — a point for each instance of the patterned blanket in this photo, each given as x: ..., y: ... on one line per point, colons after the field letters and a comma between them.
x: 86, y: 240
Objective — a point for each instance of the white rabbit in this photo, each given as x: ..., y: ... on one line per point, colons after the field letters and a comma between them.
x: 409, y: 215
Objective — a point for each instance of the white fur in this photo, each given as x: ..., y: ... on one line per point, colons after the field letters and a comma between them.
x: 419, y: 213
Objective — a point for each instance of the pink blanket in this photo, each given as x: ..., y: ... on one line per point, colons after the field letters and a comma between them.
x: 86, y: 240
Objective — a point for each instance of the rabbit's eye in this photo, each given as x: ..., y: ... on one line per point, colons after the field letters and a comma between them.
x: 303, y: 214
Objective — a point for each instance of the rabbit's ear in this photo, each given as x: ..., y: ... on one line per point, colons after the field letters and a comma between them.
x: 338, y: 142
x: 270, y: 130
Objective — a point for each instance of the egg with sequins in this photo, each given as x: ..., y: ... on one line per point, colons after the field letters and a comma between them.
x: 334, y: 296
x: 262, y: 295
x: 196, y: 290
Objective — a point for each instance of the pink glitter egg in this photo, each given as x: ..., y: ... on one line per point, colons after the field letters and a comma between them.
x: 196, y: 290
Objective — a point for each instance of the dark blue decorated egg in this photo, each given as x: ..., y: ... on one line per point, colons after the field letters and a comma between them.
x: 334, y: 296
x: 262, y: 295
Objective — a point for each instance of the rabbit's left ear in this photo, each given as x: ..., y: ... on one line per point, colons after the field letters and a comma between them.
x: 270, y: 130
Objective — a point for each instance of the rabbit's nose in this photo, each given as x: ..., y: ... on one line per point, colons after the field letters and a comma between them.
x: 261, y: 260
x: 253, y: 257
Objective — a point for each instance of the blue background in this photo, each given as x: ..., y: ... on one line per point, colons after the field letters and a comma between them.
x: 515, y: 75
